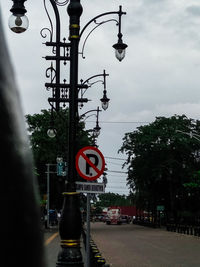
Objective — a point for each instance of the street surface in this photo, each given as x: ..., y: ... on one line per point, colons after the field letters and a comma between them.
x: 131, y: 245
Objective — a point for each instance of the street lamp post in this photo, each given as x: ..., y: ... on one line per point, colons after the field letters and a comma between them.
x: 70, y: 224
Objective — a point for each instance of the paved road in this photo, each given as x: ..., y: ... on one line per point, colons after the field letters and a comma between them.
x: 137, y: 246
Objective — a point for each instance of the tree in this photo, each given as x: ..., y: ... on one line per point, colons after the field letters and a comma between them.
x: 160, y: 161
x: 46, y: 149
x: 112, y: 199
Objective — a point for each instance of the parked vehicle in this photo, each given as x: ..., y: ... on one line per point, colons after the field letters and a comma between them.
x: 114, y: 216
x: 125, y: 219
x: 53, y: 220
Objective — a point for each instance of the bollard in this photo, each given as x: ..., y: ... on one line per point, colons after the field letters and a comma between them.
x: 187, y: 228
x: 94, y: 252
x: 191, y: 230
x: 96, y: 258
x: 198, y: 231
x: 101, y: 262
x: 174, y: 227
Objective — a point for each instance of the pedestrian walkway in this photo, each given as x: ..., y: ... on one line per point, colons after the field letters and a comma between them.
x: 52, y: 246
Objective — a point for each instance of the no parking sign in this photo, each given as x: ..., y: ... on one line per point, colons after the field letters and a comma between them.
x: 90, y: 163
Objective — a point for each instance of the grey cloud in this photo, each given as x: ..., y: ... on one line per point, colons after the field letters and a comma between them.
x: 154, y: 2
x: 193, y: 10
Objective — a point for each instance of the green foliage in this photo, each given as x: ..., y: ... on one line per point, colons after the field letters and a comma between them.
x: 46, y: 149
x: 194, y: 183
x: 161, y: 160
x: 112, y: 199
x: 191, y: 185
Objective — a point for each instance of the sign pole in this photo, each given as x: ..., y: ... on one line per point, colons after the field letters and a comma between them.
x: 48, y: 193
x: 88, y: 232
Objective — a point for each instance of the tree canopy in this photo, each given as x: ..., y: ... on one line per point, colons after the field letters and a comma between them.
x: 45, y: 149
x: 112, y: 199
x: 163, y: 163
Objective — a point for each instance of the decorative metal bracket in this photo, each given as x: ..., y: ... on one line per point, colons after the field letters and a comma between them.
x: 86, y: 84
x: 89, y: 84
x: 60, y: 53
x: 118, y: 23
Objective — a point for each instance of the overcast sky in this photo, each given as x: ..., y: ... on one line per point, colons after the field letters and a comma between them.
x: 160, y: 75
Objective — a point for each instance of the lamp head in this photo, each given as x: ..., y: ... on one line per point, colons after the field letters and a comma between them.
x: 104, y: 101
x: 51, y: 133
x: 18, y: 21
x: 120, y: 49
x: 96, y: 132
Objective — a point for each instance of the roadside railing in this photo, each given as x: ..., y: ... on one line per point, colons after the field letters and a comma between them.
x: 145, y: 223
x: 96, y: 259
x: 183, y: 229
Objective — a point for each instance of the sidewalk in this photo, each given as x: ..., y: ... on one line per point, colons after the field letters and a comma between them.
x: 52, y: 248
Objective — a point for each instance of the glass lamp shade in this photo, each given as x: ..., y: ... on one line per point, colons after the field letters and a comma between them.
x: 120, y: 54
x: 104, y: 102
x: 96, y: 131
x: 51, y: 133
x: 120, y: 50
x: 105, y: 105
x: 18, y: 23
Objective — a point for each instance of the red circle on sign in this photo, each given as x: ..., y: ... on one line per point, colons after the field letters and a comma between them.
x: 88, y: 161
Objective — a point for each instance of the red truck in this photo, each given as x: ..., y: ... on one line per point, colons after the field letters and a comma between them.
x: 114, y: 216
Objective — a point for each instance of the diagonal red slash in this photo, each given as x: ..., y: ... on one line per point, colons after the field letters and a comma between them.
x: 90, y: 163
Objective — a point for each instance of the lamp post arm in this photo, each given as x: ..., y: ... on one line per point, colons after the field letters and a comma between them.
x: 120, y: 13
x: 104, y: 74
x: 101, y: 15
x: 89, y: 116
x: 94, y: 76
x: 83, y: 115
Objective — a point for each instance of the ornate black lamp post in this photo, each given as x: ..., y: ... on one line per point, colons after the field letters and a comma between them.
x: 62, y: 93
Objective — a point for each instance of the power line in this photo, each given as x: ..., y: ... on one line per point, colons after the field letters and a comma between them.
x: 118, y: 176
x: 114, y: 163
x: 114, y: 158
x: 116, y: 171
x: 118, y: 191
x: 117, y: 182
x: 119, y: 188
x: 128, y: 122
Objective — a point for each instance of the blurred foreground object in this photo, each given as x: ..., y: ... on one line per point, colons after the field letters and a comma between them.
x: 20, y: 221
